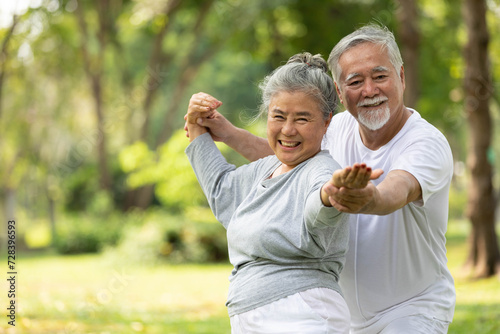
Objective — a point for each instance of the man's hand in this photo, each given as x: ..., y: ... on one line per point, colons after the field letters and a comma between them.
x: 350, y: 189
x: 204, y: 114
x: 201, y: 105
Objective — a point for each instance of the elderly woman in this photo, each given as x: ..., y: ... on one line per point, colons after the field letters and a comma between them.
x: 286, y: 243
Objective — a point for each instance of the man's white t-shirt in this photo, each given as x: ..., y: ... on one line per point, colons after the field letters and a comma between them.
x: 396, y: 263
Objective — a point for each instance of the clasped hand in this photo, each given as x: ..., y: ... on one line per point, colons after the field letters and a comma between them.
x: 350, y: 190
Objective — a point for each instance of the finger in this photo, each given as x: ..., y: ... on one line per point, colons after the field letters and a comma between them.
x: 353, y: 174
x: 376, y: 174
x: 204, y: 100
x: 192, y: 117
x: 337, y: 205
x: 345, y: 174
x: 330, y: 189
x: 196, y: 107
x: 365, y: 178
x: 343, y: 206
x: 351, y: 195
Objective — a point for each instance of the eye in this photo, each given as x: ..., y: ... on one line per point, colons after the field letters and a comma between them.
x: 381, y: 77
x: 354, y: 83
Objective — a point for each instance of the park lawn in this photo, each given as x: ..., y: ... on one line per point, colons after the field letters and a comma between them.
x: 87, y: 294
x: 478, y: 301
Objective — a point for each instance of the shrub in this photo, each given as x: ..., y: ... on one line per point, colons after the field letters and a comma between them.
x: 170, y: 238
x: 85, y: 233
x: 457, y: 202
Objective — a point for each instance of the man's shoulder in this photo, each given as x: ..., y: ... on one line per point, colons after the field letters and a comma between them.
x: 342, y: 122
x: 419, y: 128
x: 343, y: 116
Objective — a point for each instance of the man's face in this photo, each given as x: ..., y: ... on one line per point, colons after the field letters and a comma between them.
x: 370, y: 87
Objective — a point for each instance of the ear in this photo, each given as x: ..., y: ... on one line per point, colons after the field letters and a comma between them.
x: 339, y: 93
x: 402, y: 77
x: 327, y: 121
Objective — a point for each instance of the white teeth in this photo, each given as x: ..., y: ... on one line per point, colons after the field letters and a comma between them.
x: 289, y: 144
x: 372, y: 102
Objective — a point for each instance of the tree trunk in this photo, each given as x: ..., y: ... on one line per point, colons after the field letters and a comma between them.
x: 484, y: 256
x: 188, y: 74
x: 156, y: 62
x: 409, y: 35
x: 140, y: 198
x: 143, y: 196
x: 94, y: 68
x: 189, y: 68
x: 7, y: 192
x: 4, y: 55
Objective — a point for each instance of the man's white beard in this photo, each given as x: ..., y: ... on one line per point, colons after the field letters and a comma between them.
x: 375, y: 119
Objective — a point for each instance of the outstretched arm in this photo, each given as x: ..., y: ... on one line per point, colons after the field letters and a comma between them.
x: 240, y: 140
x: 398, y: 189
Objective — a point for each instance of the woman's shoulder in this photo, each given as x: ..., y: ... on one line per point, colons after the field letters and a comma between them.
x: 323, y: 162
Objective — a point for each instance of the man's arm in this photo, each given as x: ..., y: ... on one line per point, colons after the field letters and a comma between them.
x: 245, y: 143
x: 398, y: 189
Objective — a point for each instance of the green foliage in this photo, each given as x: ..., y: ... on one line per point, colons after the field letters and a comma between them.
x: 48, y: 111
x: 457, y: 202
x: 82, y: 233
x: 441, y: 96
x: 194, y: 237
x: 168, y: 168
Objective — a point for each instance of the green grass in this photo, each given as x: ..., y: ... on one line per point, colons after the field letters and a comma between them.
x: 84, y: 294
x: 478, y: 301
x: 87, y: 294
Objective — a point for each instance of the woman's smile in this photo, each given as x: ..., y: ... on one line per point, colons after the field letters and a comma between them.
x: 295, y: 127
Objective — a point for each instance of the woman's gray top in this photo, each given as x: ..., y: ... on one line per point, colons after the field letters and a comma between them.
x: 281, y: 238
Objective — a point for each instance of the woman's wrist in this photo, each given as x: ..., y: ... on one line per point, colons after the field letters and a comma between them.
x: 195, y: 130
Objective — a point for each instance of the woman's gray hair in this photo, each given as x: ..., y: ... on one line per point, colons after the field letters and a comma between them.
x: 302, y: 73
x: 371, y: 33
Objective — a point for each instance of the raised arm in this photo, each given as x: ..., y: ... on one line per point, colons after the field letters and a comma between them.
x: 240, y: 140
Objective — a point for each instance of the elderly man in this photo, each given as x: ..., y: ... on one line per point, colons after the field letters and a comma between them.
x: 395, y: 279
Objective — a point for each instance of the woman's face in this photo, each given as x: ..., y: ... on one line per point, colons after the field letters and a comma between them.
x: 295, y: 127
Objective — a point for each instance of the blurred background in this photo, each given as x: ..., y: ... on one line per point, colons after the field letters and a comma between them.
x: 92, y: 163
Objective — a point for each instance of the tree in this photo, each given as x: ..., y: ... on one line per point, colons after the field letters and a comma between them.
x: 484, y: 255
x: 409, y: 35
x: 211, y: 27
x: 8, y: 191
x: 94, y: 68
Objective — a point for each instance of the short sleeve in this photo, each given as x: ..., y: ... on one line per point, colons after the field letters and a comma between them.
x: 429, y: 159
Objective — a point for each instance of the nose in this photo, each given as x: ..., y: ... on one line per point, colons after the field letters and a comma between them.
x: 370, y: 88
x: 288, y: 128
